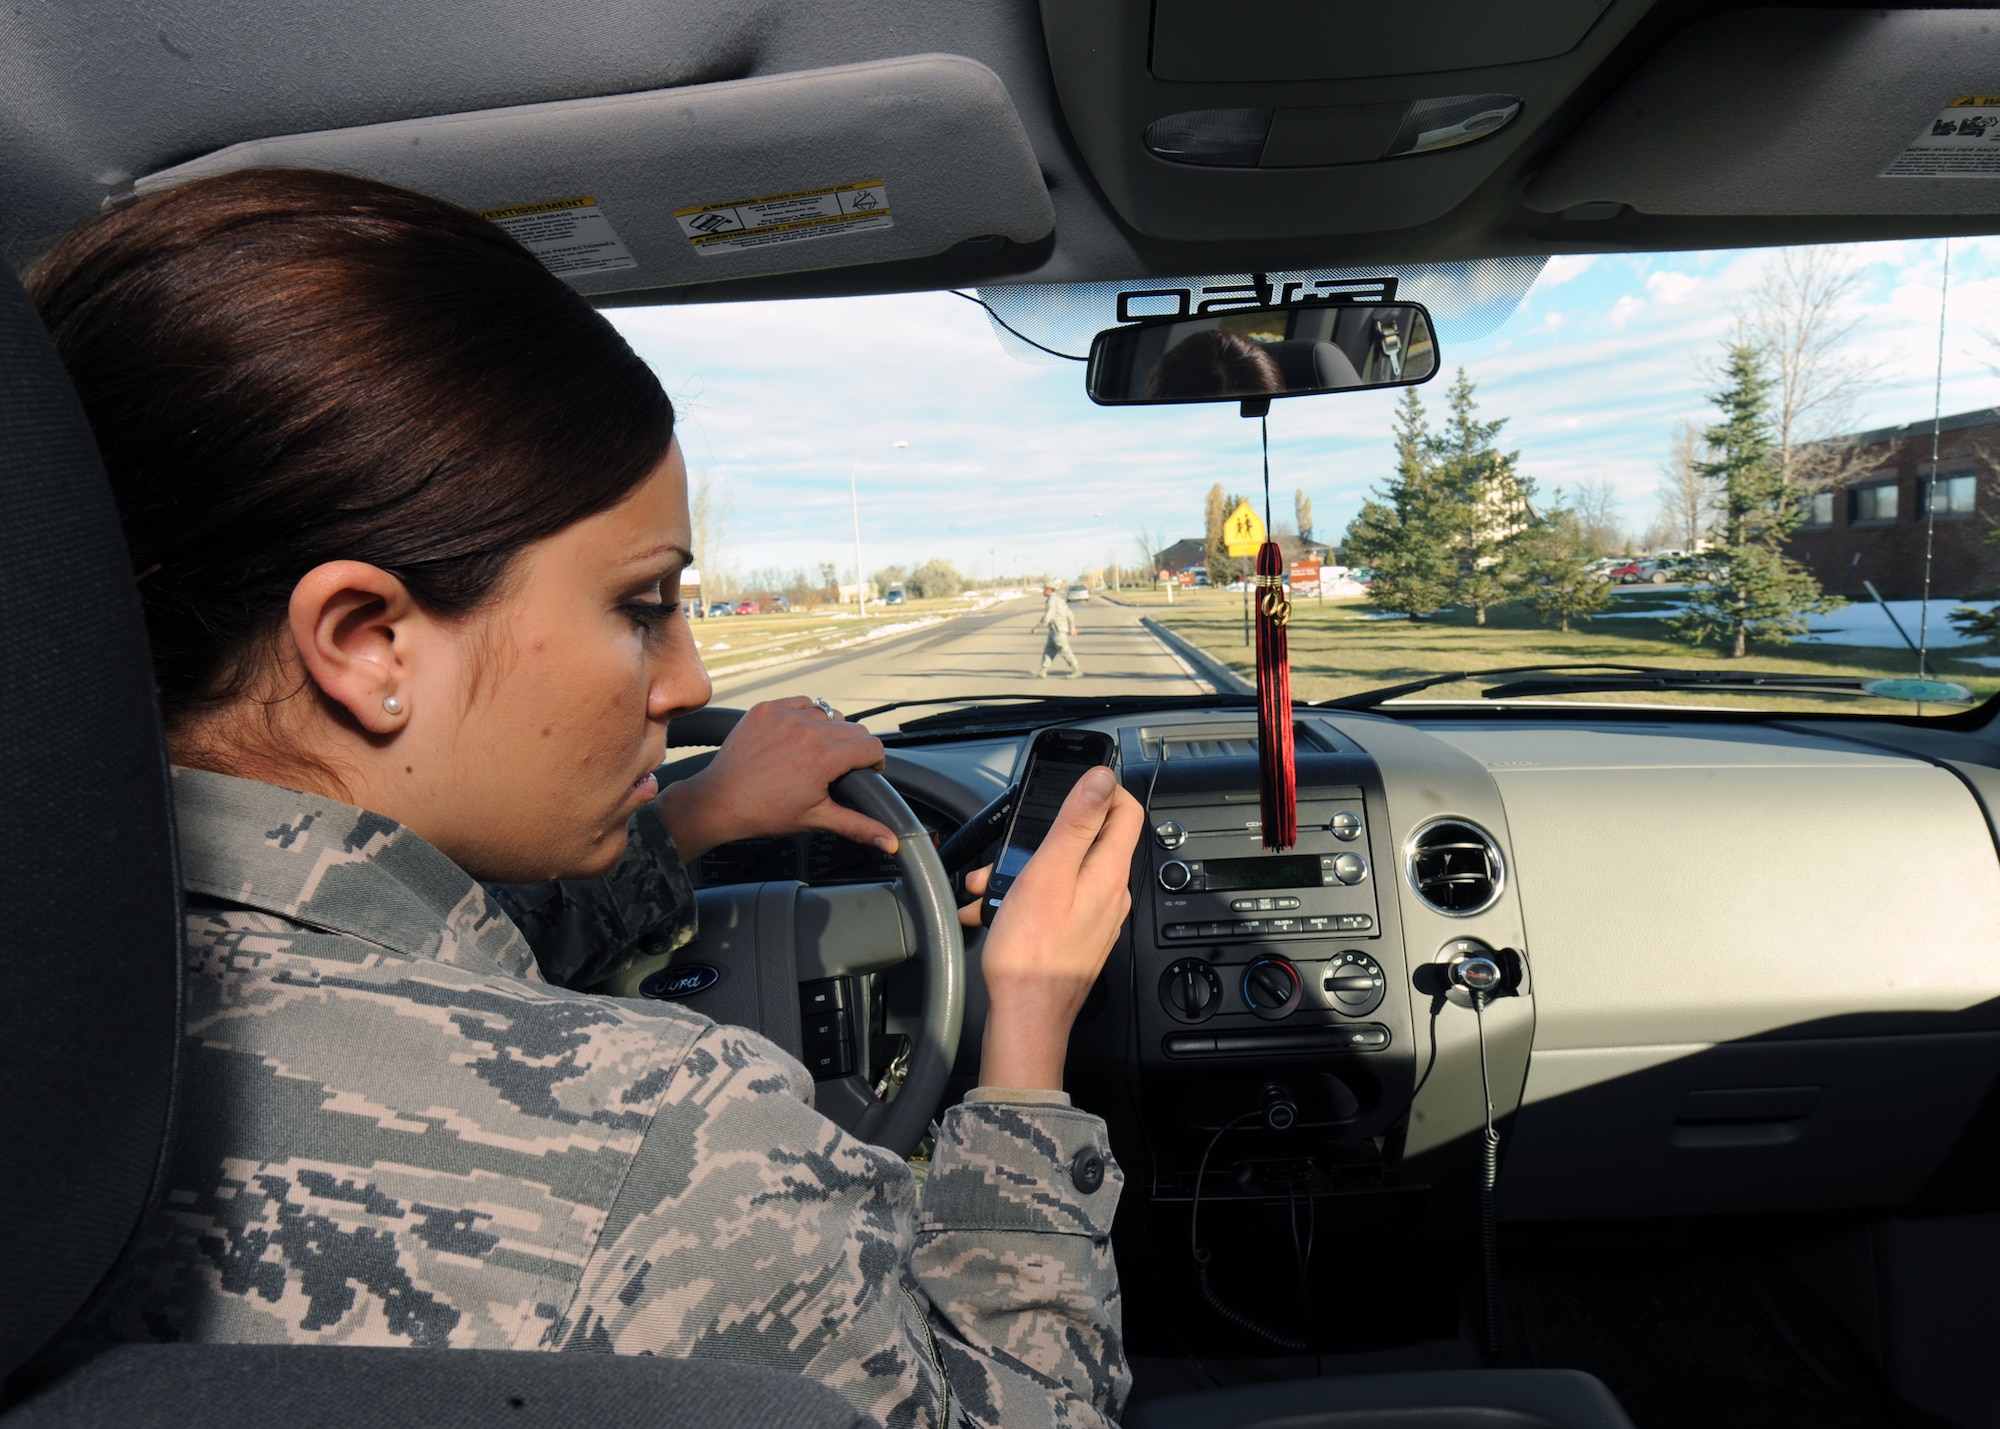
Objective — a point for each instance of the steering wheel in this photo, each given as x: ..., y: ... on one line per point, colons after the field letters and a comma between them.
x: 759, y: 944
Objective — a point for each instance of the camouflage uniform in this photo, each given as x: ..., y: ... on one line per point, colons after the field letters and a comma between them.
x: 1060, y: 624
x: 394, y: 1131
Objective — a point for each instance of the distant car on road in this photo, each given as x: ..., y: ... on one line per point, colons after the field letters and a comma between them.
x: 721, y: 607
x: 748, y: 607
x: 1079, y: 593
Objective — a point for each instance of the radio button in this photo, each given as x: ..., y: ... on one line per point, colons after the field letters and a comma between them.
x: 1284, y: 925
x: 1284, y: 902
x: 1244, y: 905
x: 1354, y: 922
x: 1344, y: 826
x: 1170, y: 834
x: 1319, y: 925
x: 1179, y: 930
x: 1350, y: 868
x: 1217, y: 930
x: 1175, y: 875
x: 1245, y: 927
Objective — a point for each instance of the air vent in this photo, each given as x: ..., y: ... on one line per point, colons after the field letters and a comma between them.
x: 1455, y: 867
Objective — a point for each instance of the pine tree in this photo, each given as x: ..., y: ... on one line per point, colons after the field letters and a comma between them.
x: 1487, y: 498
x: 1556, y: 567
x: 1754, y: 591
x: 1406, y: 532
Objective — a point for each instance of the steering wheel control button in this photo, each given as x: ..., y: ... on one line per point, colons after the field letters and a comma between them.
x: 1170, y: 834
x: 821, y: 1028
x: 1344, y: 826
x: 1355, y: 984
x: 1175, y: 875
x: 823, y: 996
x: 834, y: 1061
x: 1086, y: 1170
x: 1271, y: 987
x: 1190, y: 990
x: 1350, y: 868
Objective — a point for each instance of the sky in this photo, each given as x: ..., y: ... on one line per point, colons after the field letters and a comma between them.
x: 1010, y: 468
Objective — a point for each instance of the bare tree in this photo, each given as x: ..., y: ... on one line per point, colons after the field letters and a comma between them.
x: 1302, y: 510
x: 708, y: 521
x: 1799, y: 318
x: 1150, y: 542
x: 1686, y: 503
x: 1596, y: 507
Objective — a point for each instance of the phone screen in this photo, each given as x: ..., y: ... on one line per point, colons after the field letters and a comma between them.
x: 1059, y: 758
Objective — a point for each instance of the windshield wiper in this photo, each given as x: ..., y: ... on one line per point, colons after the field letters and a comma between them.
x: 999, y: 713
x: 1624, y: 679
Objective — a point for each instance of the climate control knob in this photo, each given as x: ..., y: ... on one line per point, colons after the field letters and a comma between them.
x: 1190, y: 990
x: 1174, y: 875
x: 1271, y: 987
x: 1355, y: 985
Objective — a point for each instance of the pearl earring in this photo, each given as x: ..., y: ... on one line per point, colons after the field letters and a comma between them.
x: 392, y: 704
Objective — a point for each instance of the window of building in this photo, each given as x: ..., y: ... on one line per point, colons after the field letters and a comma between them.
x: 1872, y: 504
x: 1819, y: 509
x: 1956, y: 493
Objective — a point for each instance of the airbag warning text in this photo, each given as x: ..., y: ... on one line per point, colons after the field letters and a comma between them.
x: 569, y: 235
x: 1962, y: 142
x: 784, y: 218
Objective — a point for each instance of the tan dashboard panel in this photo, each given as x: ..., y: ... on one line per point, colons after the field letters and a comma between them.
x: 1706, y: 886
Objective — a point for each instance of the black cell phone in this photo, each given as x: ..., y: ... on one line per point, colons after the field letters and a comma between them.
x: 1056, y: 760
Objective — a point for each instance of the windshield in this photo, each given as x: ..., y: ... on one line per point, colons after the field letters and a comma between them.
x: 1718, y: 463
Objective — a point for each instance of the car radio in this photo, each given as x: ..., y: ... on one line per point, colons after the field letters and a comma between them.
x: 1213, y: 881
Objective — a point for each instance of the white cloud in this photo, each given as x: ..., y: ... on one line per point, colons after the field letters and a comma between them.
x: 1563, y: 268
x: 1625, y: 309
x: 1670, y: 287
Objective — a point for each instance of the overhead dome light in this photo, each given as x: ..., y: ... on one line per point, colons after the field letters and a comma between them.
x: 1315, y: 137
x: 1442, y: 123
x: 1225, y: 138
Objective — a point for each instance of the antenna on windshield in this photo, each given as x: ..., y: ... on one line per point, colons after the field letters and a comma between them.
x: 1931, y: 482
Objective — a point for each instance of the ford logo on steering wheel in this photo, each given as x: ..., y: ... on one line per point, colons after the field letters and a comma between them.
x: 678, y: 982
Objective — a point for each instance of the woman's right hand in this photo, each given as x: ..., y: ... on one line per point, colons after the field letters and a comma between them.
x: 1053, y: 932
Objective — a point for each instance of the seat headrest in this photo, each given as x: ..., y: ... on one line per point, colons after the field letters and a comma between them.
x: 89, y: 892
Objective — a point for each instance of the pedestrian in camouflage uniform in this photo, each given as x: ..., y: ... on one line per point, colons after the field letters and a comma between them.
x: 412, y: 585
x: 1056, y: 618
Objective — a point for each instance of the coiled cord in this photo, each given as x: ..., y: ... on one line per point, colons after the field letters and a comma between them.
x: 1489, y: 1177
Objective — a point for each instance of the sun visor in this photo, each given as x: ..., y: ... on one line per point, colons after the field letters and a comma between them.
x: 828, y: 168
x: 1797, y: 112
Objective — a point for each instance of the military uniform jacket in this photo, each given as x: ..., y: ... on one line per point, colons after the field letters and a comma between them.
x: 394, y: 1131
x: 1056, y: 616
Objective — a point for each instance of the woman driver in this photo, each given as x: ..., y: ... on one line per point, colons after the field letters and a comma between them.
x: 407, y: 518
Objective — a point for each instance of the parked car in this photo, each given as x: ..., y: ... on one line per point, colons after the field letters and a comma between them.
x: 1641, y: 572
x: 1078, y: 593
x: 721, y: 607
x: 896, y: 596
x: 780, y: 605
x: 748, y: 607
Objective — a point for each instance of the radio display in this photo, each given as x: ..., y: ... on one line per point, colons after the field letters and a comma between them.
x: 1293, y: 871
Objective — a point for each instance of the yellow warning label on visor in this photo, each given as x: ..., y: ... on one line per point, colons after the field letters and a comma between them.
x: 785, y: 218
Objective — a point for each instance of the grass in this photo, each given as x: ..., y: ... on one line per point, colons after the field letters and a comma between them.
x: 726, y: 642
x: 1343, y: 647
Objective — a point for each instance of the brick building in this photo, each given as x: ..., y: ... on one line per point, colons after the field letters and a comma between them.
x: 1871, y: 527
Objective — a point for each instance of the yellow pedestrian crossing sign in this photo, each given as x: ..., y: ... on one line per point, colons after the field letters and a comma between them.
x: 1243, y: 531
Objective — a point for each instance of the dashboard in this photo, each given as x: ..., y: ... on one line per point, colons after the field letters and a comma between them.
x: 1734, y: 952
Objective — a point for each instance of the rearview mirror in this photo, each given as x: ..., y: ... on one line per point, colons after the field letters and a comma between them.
x: 1254, y: 354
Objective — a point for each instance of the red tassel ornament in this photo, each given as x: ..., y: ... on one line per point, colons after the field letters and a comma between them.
x: 1277, y: 788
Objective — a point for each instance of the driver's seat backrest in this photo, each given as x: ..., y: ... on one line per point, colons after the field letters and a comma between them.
x: 89, y: 895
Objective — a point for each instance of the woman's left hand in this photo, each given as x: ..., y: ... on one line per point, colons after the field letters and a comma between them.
x: 771, y: 777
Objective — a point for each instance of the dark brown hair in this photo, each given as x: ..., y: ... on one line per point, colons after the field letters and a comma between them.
x: 285, y: 367
x: 1215, y: 363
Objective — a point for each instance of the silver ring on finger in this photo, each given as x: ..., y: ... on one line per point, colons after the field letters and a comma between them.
x: 827, y: 708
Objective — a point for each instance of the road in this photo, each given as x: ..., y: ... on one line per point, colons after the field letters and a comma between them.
x: 977, y: 656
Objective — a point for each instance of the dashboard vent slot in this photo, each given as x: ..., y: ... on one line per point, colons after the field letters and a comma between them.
x: 1455, y: 867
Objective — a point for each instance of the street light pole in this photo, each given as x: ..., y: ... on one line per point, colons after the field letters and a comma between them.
x: 854, y: 500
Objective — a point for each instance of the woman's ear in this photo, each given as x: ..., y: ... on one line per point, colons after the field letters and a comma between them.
x: 352, y: 625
